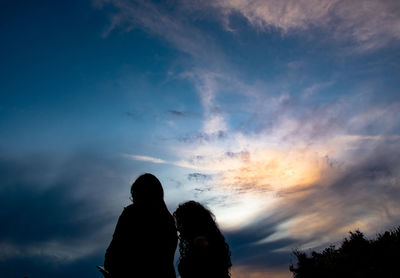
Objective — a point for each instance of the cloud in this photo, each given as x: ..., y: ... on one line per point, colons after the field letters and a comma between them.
x: 145, y: 158
x: 362, y: 195
x: 244, y: 155
x: 198, y: 177
x: 208, y: 84
x: 317, y: 173
x: 133, y: 115
x: 315, y: 88
x: 179, y: 113
x: 368, y: 25
x: 155, y: 160
x: 176, y: 113
x: 203, y: 136
x: 172, y: 24
x: 165, y: 21
x: 57, y: 212
x: 250, y: 272
x: 254, y: 259
x: 364, y: 24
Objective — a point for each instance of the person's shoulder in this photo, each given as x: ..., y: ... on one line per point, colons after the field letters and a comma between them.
x: 130, y: 208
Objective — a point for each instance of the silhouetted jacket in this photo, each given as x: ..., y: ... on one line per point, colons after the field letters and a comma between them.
x: 143, y: 244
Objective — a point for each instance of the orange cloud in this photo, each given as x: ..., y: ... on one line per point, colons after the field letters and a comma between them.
x: 276, y: 170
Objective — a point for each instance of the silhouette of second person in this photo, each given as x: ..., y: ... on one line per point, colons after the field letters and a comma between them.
x: 203, y: 249
x: 145, y: 238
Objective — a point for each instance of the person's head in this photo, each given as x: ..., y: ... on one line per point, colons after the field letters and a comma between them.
x: 193, y: 219
x: 147, y: 189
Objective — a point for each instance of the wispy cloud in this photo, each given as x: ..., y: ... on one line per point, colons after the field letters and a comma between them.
x: 369, y: 25
x: 145, y: 158
x: 199, y: 177
x: 184, y: 164
x: 313, y: 89
x: 166, y: 21
x: 365, y: 24
x: 178, y: 113
x: 173, y: 25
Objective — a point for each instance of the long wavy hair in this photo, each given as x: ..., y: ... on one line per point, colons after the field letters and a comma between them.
x: 194, y: 220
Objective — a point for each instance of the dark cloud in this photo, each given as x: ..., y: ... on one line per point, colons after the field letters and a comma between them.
x: 199, y: 137
x: 56, y: 214
x: 50, y: 214
x: 199, y: 191
x: 243, y: 155
x: 198, y: 177
x: 197, y: 159
x: 179, y: 113
x: 246, y: 247
x: 49, y: 208
x: 132, y: 115
x: 176, y: 113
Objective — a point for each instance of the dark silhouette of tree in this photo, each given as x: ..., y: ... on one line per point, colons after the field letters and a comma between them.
x: 356, y: 257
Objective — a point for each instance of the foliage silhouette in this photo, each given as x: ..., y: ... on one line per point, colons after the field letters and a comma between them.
x: 356, y: 257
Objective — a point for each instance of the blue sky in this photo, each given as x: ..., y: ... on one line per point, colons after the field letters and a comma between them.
x: 280, y: 116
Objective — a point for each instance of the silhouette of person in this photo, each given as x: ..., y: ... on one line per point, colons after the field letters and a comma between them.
x: 145, y: 238
x: 203, y: 249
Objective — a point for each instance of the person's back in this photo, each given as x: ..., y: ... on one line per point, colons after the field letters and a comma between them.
x: 203, y: 249
x: 205, y: 259
x: 144, y: 240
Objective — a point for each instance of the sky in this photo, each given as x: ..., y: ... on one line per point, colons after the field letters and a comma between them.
x: 281, y: 116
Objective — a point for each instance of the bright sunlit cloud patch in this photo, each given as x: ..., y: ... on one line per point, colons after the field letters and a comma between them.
x: 276, y: 170
x: 145, y: 158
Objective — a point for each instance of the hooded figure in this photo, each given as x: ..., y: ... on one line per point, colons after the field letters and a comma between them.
x: 145, y: 238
